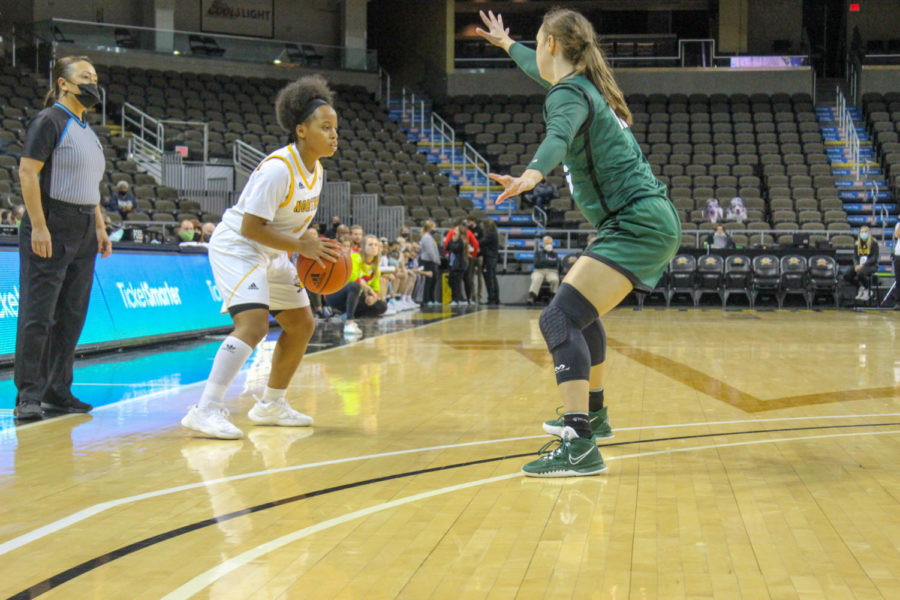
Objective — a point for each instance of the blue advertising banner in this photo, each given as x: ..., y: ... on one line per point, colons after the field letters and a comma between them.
x: 135, y: 295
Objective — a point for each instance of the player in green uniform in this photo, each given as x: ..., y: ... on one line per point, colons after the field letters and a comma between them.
x: 638, y: 229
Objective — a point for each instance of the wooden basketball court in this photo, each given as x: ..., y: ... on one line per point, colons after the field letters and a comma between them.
x: 755, y: 456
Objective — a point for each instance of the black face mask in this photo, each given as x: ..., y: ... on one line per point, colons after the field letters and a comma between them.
x: 89, y: 94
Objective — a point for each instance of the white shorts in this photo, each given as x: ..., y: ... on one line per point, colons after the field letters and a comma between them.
x: 247, y: 274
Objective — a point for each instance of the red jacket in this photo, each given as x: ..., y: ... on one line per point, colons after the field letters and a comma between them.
x: 470, y: 236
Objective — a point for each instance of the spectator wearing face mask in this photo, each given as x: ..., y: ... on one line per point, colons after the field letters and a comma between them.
x: 123, y: 200
x: 206, y: 231
x: 718, y: 239
x: 866, y: 260
x: 186, y: 231
x: 546, y: 268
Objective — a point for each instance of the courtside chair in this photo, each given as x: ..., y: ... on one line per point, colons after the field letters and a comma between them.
x: 766, y: 277
x: 682, y: 278
x: 822, y: 278
x: 794, y: 279
x: 710, y: 273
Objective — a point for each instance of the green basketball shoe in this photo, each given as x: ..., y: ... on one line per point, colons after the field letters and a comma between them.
x: 574, y: 457
x: 599, y: 424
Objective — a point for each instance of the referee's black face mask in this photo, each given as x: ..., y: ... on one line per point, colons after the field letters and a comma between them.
x: 89, y: 94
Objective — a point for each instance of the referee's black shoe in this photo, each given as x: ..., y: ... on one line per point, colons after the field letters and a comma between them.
x: 70, y: 404
x: 27, y: 410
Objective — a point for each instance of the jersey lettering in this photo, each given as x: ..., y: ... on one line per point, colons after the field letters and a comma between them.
x: 306, y: 205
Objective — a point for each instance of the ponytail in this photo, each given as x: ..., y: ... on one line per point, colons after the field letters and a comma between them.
x: 61, y: 68
x: 576, y: 36
x: 601, y: 76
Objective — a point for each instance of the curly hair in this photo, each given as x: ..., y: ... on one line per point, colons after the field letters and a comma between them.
x: 293, y: 99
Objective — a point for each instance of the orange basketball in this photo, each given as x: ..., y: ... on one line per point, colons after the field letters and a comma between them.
x: 329, y: 279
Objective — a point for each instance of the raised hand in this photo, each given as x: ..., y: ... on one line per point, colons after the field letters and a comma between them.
x: 496, y: 34
x: 513, y: 186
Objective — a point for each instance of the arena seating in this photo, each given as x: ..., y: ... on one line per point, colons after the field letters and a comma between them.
x: 766, y: 149
x: 375, y: 157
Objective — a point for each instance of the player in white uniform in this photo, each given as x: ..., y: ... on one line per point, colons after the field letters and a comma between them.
x: 249, y: 254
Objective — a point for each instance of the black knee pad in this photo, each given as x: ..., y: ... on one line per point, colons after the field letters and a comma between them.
x: 595, y: 336
x: 568, y: 307
x: 561, y: 325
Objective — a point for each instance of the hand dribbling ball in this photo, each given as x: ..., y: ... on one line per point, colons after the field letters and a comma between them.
x: 328, y: 279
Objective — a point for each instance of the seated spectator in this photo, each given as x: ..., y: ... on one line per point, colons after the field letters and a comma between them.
x: 718, y: 239
x: 185, y: 231
x: 457, y: 253
x: 206, y: 231
x: 356, y: 234
x: 713, y: 211
x: 123, y: 200
x: 414, y: 274
x: 736, y: 210
x: 388, y: 269
x: 345, y: 241
x: 546, y: 267
x: 543, y: 193
x: 340, y: 231
x: 866, y: 259
x: 18, y: 211
x: 359, y: 298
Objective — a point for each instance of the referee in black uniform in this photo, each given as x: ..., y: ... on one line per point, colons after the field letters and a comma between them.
x: 61, y: 168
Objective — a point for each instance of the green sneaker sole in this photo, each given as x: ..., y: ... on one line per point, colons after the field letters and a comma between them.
x: 573, y: 458
x: 565, y: 472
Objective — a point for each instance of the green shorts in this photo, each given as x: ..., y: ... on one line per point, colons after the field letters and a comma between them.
x: 639, y: 241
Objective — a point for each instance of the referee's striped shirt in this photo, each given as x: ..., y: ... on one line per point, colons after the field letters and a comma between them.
x: 72, y: 156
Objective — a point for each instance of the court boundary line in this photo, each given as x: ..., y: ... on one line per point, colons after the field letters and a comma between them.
x: 167, y: 391
x: 91, y: 511
x: 207, y: 578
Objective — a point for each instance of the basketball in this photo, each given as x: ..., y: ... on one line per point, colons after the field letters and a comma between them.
x: 328, y: 279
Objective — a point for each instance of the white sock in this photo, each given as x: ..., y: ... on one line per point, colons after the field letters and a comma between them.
x: 232, y: 355
x: 272, y: 395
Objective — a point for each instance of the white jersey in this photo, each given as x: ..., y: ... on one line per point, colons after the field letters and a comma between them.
x: 281, y: 191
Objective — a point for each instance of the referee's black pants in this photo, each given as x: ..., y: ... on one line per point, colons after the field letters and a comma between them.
x: 53, y: 301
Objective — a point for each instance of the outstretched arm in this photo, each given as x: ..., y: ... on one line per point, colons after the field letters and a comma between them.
x: 498, y: 35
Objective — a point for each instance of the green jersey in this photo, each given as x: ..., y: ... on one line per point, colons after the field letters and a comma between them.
x: 606, y: 164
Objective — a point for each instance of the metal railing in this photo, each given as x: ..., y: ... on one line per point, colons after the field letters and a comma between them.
x: 384, y: 87
x: 443, y: 134
x: 440, y: 135
x: 245, y: 157
x: 145, y: 144
x: 481, y: 166
x: 847, y: 132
